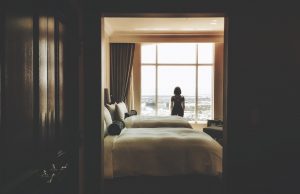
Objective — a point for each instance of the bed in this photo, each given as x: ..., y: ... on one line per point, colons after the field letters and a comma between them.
x: 139, y: 121
x: 161, y: 152
x: 118, y: 111
x: 161, y: 159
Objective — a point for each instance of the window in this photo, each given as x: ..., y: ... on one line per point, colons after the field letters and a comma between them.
x: 148, y: 99
x: 168, y: 78
x: 176, y: 53
x: 187, y: 65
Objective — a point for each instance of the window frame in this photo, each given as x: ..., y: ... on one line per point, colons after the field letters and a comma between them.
x: 196, y: 65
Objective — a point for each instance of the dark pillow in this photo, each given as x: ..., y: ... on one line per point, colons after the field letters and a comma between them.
x: 130, y: 113
x: 115, y: 128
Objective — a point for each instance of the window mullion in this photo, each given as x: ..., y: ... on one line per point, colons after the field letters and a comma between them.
x: 156, y: 81
x: 213, y: 84
x: 196, y: 100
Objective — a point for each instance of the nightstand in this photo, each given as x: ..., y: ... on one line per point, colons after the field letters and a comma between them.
x: 215, y: 132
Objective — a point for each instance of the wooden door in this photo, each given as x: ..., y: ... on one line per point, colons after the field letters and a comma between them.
x: 36, y: 137
x: 17, y: 96
x: 46, y: 87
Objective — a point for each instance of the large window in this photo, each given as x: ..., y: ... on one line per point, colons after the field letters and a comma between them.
x: 187, y: 65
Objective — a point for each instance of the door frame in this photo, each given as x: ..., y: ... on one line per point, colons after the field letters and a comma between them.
x: 225, y: 76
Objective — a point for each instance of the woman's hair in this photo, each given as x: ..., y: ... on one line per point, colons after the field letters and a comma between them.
x: 177, y: 91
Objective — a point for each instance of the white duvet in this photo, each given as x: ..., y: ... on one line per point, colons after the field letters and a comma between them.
x: 161, y: 152
x: 139, y: 121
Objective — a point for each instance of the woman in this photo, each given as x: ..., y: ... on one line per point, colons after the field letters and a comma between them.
x: 177, y: 103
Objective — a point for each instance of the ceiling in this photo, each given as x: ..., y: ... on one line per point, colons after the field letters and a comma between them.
x: 185, y: 25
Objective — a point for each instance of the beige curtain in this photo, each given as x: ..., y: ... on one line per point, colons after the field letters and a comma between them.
x: 219, y: 80
x: 130, y: 96
x: 133, y: 101
x: 121, y: 62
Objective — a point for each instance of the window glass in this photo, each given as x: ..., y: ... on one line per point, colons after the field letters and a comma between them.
x: 148, y: 104
x: 148, y: 53
x: 171, y: 74
x: 205, y: 93
x: 206, y: 53
x: 176, y: 53
x: 168, y: 78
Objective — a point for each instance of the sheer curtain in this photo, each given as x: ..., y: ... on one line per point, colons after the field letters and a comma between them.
x: 121, y: 62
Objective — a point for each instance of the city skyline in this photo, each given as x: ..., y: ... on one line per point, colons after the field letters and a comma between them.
x: 148, y: 107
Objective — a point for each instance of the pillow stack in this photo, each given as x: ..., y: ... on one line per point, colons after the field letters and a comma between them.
x: 112, y: 109
x: 107, y: 120
x: 121, y: 109
x: 115, y: 128
x: 114, y: 115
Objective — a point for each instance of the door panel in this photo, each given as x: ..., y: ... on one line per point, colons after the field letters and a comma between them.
x: 2, y: 138
x: 59, y: 84
x: 35, y: 122
x: 43, y: 85
x: 18, y: 120
x: 51, y: 85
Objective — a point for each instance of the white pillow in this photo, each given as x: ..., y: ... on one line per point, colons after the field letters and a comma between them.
x: 105, y: 129
x: 121, y: 109
x: 107, y: 120
x: 112, y: 109
x: 107, y: 116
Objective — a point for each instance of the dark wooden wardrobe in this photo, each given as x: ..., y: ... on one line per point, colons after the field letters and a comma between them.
x: 38, y: 135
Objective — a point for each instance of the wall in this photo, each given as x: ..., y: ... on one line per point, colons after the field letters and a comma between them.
x: 218, y: 66
x: 263, y: 100
x: 17, y: 96
x: 38, y: 124
x: 166, y: 38
x: 105, y: 58
x: 262, y: 89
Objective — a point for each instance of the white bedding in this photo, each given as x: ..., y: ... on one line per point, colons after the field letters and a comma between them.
x: 161, y: 152
x: 139, y: 121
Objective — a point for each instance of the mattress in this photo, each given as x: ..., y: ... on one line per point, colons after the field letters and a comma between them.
x: 161, y: 152
x: 139, y: 121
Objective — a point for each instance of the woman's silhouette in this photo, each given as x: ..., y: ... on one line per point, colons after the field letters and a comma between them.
x: 177, y: 103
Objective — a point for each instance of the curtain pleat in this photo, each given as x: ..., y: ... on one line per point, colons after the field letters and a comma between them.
x: 121, y: 61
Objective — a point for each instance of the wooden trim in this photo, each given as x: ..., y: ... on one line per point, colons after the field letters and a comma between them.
x: 225, y: 81
x: 106, y: 58
x: 218, y: 81
x: 56, y: 81
x: 225, y: 100
x: 177, y: 64
x: 137, y: 78
x: 93, y: 104
x: 36, y: 96
x: 165, y: 38
x: 2, y: 101
x: 42, y: 85
x: 167, y: 33
x: 163, y: 15
x: 105, y: 53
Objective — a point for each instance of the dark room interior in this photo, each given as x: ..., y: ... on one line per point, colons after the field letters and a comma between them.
x: 52, y: 101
